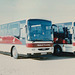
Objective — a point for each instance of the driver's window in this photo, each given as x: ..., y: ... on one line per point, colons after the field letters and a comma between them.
x: 55, y: 29
x: 61, y: 29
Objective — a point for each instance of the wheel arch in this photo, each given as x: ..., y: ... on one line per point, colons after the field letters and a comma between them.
x: 11, y: 50
x: 57, y: 46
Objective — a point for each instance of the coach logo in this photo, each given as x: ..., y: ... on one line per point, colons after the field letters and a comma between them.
x: 14, y: 40
x: 0, y: 39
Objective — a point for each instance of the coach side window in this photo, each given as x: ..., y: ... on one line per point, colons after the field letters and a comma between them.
x: 74, y: 32
x: 0, y: 31
x: 13, y: 30
x: 3, y: 30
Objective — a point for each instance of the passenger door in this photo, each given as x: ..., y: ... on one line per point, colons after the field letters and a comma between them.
x: 22, y: 36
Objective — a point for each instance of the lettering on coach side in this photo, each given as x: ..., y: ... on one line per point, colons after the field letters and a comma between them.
x: 43, y: 45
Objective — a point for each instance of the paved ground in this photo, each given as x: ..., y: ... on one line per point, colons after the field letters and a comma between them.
x: 49, y: 65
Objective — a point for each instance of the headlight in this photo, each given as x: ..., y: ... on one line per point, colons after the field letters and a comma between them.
x: 51, y: 48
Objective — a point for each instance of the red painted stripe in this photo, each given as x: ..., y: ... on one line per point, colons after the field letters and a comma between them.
x: 10, y: 40
x: 60, y: 41
x: 55, y: 39
x: 64, y: 42
x: 39, y: 44
x: 73, y: 43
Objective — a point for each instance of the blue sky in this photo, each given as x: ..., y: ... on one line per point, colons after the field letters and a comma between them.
x: 54, y: 10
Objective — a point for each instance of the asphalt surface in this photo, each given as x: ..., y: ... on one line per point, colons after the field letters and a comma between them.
x: 41, y: 65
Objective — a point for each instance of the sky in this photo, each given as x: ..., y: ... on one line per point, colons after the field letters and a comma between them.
x: 57, y: 11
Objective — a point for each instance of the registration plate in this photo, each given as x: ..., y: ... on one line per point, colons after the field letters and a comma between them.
x: 43, y: 53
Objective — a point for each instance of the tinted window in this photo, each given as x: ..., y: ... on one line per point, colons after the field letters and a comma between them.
x: 60, y: 28
x: 39, y: 30
x: 13, y: 29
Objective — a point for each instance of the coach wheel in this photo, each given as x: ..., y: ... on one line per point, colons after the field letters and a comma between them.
x: 57, y: 51
x: 15, y: 53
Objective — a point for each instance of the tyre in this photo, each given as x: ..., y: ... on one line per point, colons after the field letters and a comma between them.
x: 14, y: 53
x: 57, y: 50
